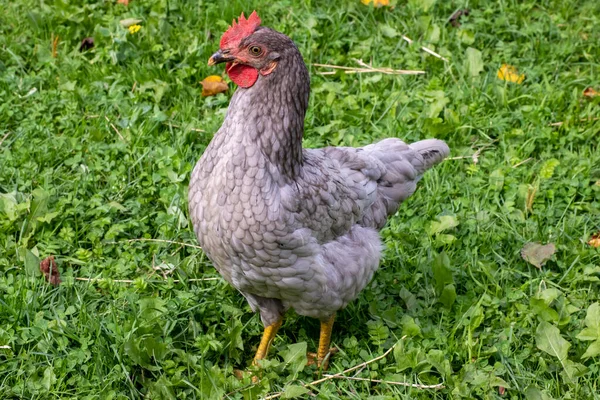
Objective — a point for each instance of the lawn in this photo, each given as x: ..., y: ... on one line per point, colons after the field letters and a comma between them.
x: 96, y: 150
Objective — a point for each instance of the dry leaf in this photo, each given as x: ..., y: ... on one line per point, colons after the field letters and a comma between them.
x: 595, y: 240
x: 239, y: 374
x: 124, y: 2
x: 590, y: 92
x: 454, y: 19
x: 531, y: 191
x: 55, y: 41
x: 501, y: 390
x: 212, y: 85
x: 127, y: 22
x: 537, y: 254
x: 376, y: 3
x: 86, y: 44
x: 510, y: 74
x: 50, y: 270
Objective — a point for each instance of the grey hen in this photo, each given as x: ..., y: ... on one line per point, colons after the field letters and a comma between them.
x: 290, y: 227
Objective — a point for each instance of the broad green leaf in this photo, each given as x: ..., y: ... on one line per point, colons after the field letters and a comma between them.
x: 410, y: 327
x: 445, y: 222
x: 497, y: 179
x: 533, y: 393
x: 543, y: 310
x: 442, y: 274
x: 49, y: 378
x: 39, y: 207
x: 388, y: 31
x: 548, y: 339
x: 32, y: 263
x: 592, y: 318
x: 8, y: 205
x: 437, y: 358
x: 293, y: 391
x: 474, y: 61
x: 448, y: 296
x: 593, y: 350
x: 573, y: 370
x: 295, y: 357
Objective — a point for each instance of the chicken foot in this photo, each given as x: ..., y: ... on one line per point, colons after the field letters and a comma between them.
x: 323, y: 351
x: 265, y: 343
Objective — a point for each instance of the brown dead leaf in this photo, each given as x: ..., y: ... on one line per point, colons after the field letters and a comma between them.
x: 124, y: 2
x: 50, y: 270
x: 212, y: 85
x: 86, y: 44
x: 590, y: 92
x: 595, y: 240
x: 537, y: 254
x: 501, y: 390
x: 55, y: 41
x: 531, y: 191
x: 454, y: 19
x: 239, y: 374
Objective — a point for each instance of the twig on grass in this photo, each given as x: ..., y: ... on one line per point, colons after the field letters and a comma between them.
x: 158, y: 241
x: 560, y: 123
x: 365, y: 69
x: 425, y: 49
x: 4, y: 138
x: 341, y: 375
x: 115, y: 129
x: 522, y: 162
x: 407, y: 384
x: 474, y: 156
x: 179, y: 126
x: 93, y: 280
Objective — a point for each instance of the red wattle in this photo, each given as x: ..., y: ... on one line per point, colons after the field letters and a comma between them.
x: 242, y: 75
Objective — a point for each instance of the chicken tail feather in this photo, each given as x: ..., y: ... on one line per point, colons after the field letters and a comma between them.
x: 432, y: 151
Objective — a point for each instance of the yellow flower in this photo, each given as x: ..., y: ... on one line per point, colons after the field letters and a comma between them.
x: 510, y: 74
x: 376, y: 3
x: 134, y: 28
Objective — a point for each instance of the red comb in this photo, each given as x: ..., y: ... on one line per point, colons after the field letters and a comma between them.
x: 238, y: 31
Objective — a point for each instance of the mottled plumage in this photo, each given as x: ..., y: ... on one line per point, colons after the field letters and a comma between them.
x: 291, y: 227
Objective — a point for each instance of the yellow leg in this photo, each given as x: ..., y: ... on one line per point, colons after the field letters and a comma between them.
x: 265, y: 342
x: 324, y: 341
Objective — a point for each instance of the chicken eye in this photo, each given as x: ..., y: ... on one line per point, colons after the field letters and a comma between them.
x: 255, y: 50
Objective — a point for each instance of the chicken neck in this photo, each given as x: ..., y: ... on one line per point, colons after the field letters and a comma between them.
x: 270, y: 114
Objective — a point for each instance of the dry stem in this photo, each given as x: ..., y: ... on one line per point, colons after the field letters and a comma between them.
x: 131, y: 281
x: 407, y: 384
x: 4, y: 138
x: 560, y: 123
x: 366, y: 69
x: 341, y: 375
x: 115, y: 129
x: 425, y: 49
x: 522, y: 162
x: 156, y: 240
x: 179, y: 126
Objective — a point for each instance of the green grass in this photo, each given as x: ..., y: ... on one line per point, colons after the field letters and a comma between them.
x: 97, y: 148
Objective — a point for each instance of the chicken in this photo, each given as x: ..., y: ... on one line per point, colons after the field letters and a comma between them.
x: 290, y: 227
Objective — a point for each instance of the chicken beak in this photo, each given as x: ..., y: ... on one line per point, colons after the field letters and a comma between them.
x: 219, y: 57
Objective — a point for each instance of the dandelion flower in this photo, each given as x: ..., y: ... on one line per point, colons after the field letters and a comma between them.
x: 134, y: 28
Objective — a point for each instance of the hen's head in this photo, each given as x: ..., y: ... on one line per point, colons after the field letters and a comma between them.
x: 250, y: 50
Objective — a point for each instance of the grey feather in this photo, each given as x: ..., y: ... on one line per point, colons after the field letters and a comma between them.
x: 291, y: 227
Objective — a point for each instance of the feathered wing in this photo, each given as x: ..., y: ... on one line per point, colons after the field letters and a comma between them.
x: 387, y: 171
